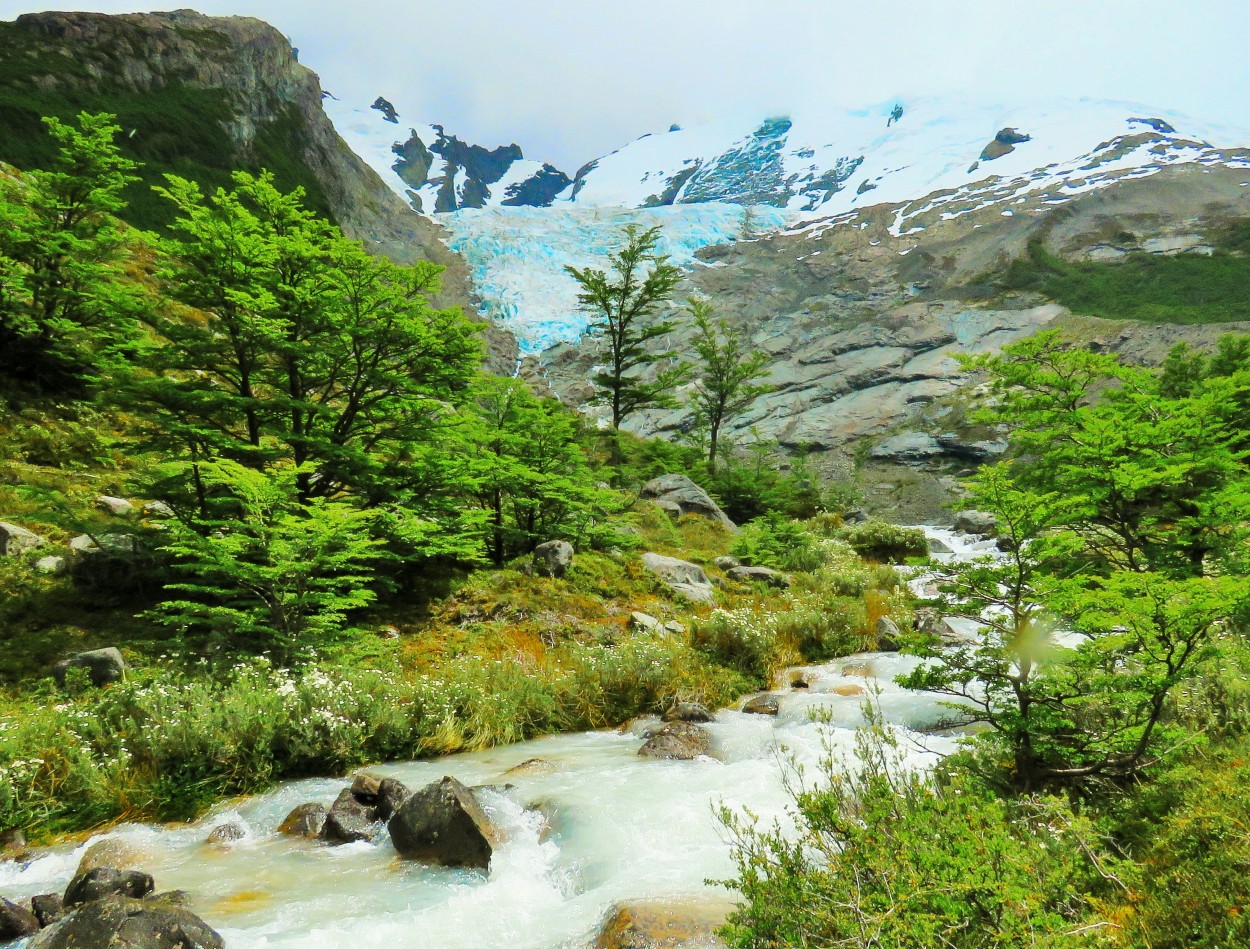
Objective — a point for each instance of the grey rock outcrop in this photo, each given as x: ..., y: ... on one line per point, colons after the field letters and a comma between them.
x: 682, y: 577
x: 677, y: 741
x: 553, y: 558
x: 767, y: 575
x: 118, y: 507
x: 888, y: 634
x: 678, y: 495
x: 444, y: 824
x: 15, y: 540
x: 104, y: 666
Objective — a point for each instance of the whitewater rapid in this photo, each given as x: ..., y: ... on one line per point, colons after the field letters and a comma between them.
x: 599, y: 826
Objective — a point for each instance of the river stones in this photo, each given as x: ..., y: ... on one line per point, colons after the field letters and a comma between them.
x: 888, y: 634
x: 687, y: 712
x: 16, y: 921
x: 391, y: 796
x: 47, y: 907
x: 365, y: 787
x: 663, y: 924
x: 976, y: 522
x: 307, y: 820
x: 444, y: 824
x: 678, y: 741
x: 119, y: 922
x: 111, y: 852
x: 227, y: 833
x: 762, y: 705
x: 349, y: 820
x: 529, y: 767
x: 100, y: 882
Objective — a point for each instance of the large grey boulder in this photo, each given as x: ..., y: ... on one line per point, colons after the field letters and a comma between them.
x: 552, y: 558
x: 444, y: 824
x: 976, y: 522
x: 15, y: 540
x: 677, y: 494
x: 103, y: 666
x: 118, y: 922
x: 641, y: 622
x: 888, y: 634
x: 682, y: 577
x: 678, y: 741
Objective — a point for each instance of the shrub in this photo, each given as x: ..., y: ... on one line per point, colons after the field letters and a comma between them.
x: 740, y: 639
x: 884, y: 542
x: 778, y: 542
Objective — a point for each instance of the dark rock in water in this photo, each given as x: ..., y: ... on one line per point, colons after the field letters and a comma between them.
x: 169, y: 898
x: 687, y: 712
x: 121, y: 923
x: 762, y: 705
x: 226, y: 833
x: 349, y: 821
x: 106, y: 881
x: 47, y: 907
x: 799, y: 680
x: 365, y: 787
x: 759, y: 575
x: 307, y: 820
x: 678, y: 494
x: 391, y: 796
x: 937, y: 547
x: 16, y: 921
x: 443, y: 824
x: 553, y: 558
x: 103, y: 666
x: 678, y: 741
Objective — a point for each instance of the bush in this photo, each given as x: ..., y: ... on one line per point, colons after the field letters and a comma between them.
x: 884, y: 542
x: 740, y: 639
x: 778, y: 542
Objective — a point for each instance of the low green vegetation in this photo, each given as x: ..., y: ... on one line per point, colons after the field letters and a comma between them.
x: 1152, y: 288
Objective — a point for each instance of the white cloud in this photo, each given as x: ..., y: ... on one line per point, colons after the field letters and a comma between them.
x: 571, y: 79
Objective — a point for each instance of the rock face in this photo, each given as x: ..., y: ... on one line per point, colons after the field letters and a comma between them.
x: 443, y: 824
x: 553, y: 558
x: 677, y: 741
x: 118, y: 922
x: 682, y: 577
x: 678, y: 495
x: 104, y: 666
x: 766, y: 575
x: 15, y: 540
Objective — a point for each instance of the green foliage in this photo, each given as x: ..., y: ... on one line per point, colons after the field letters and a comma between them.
x: 725, y: 377
x: 740, y: 639
x: 882, y: 541
x: 883, y: 856
x: 269, y: 574
x: 65, y: 308
x: 624, y: 304
x: 1153, y: 288
x: 777, y: 542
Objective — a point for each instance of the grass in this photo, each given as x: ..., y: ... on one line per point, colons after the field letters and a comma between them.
x: 1150, y: 288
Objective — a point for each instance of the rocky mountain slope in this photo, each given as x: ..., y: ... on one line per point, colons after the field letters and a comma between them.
x: 201, y: 96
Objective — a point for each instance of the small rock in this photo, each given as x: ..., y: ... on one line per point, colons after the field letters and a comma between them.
x: 888, y: 634
x: 118, y: 507
x: 676, y: 628
x: 16, y: 540
x: 726, y: 563
x: 645, y: 623
x: 759, y: 575
x: 52, y: 565
x: 531, y: 766
x: 443, y: 824
x: 157, y: 509
x: 553, y: 558
x: 106, y: 881
x: 937, y: 547
x: 664, y: 924
x: 349, y: 821
x: 103, y: 666
x: 687, y: 712
x: 798, y: 680
x: 678, y: 741
x: 365, y: 787
x: 860, y: 670
x: 848, y: 690
x: 47, y: 907
x: 227, y: 833
x: 16, y: 921
x: 762, y: 705
x: 682, y: 577
x: 392, y: 793
x: 307, y: 820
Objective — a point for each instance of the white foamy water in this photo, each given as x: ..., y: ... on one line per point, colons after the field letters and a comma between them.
x: 601, y: 826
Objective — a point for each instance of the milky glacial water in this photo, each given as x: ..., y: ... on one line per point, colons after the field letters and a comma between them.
x: 600, y: 826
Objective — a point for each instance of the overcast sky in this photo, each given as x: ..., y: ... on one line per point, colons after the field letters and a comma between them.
x: 572, y: 79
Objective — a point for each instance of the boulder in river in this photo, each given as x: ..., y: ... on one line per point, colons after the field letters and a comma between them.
x: 227, y: 833
x: 16, y: 921
x: 976, y: 522
x: 47, y: 907
x: 349, y: 820
x: 111, y: 852
x: 762, y: 705
x: 444, y: 824
x: 678, y: 741
x: 103, y: 666
x: 687, y: 712
x: 677, y: 494
x: 307, y: 820
x: 391, y: 796
x: 664, y: 924
x: 553, y: 558
x: 686, y: 579
x: 106, y: 881
x: 119, y: 922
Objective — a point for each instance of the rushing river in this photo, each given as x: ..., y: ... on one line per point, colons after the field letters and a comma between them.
x: 600, y: 826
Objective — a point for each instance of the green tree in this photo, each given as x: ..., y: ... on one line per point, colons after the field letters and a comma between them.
x: 268, y: 572
x: 624, y: 303
x: 725, y: 378
x: 65, y: 305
